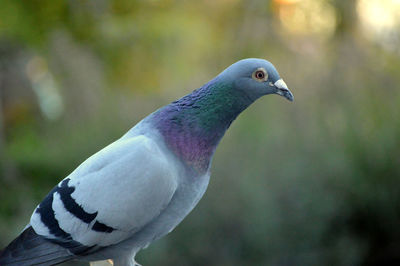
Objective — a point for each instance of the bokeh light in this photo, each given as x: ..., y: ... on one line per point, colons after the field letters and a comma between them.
x: 380, y: 22
x: 307, y: 17
x: 44, y: 85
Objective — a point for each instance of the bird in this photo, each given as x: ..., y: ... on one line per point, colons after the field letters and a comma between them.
x: 140, y: 187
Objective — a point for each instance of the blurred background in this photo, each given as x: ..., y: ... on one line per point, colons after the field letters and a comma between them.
x: 313, y: 182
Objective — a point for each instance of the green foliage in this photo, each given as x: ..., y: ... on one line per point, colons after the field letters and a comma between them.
x: 313, y: 182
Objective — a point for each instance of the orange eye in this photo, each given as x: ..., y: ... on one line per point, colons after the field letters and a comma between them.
x: 260, y: 75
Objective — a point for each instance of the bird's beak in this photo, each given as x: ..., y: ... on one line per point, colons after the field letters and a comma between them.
x: 283, y: 90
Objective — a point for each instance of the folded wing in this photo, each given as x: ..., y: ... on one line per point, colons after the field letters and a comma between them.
x: 108, y: 198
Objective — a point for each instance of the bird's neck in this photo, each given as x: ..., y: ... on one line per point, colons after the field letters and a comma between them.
x: 193, y: 125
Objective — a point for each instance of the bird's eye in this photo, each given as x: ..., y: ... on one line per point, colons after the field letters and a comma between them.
x: 260, y: 74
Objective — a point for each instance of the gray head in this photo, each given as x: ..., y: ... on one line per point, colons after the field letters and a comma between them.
x: 256, y: 77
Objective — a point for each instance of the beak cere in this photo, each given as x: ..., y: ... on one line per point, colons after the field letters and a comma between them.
x: 283, y: 90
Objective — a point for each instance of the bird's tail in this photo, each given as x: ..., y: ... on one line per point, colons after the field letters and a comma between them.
x: 30, y: 248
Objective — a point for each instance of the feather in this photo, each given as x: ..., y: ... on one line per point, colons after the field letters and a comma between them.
x: 94, y: 205
x: 31, y: 249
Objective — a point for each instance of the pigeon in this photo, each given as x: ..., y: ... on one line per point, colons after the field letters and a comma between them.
x: 140, y: 187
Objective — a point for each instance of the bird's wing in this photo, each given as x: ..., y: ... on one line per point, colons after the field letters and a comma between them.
x: 109, y: 197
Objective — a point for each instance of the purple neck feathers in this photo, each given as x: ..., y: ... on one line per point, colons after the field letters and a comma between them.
x: 193, y: 125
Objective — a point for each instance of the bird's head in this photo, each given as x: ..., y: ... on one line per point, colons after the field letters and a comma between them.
x: 256, y: 77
